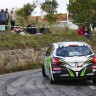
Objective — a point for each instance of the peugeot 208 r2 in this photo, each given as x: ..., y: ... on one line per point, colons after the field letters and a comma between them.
x: 66, y: 60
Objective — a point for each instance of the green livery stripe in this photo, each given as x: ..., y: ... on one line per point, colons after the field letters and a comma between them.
x: 83, y: 72
x: 51, y: 74
x: 48, y: 61
x: 89, y: 59
x: 71, y: 73
x: 64, y: 62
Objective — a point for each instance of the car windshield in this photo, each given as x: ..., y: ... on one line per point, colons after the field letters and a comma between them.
x: 73, y: 51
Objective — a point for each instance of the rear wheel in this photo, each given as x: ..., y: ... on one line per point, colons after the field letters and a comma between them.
x: 43, y: 71
x: 50, y: 78
x: 52, y: 81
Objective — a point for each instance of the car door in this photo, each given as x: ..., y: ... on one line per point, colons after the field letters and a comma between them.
x: 48, y: 58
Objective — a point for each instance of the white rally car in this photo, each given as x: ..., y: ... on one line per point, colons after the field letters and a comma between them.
x: 69, y: 60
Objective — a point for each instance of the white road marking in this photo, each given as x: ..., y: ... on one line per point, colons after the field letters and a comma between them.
x: 90, y: 84
x: 92, y: 87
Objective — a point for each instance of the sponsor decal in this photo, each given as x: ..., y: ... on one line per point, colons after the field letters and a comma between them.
x: 64, y: 75
x: 76, y: 64
x: 79, y: 66
x: 77, y: 73
x: 57, y: 69
x: 90, y: 74
x: 94, y: 67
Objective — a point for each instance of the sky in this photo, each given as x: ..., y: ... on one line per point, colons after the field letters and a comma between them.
x: 62, y: 8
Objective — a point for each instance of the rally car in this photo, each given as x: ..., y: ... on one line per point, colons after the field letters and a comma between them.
x: 69, y: 60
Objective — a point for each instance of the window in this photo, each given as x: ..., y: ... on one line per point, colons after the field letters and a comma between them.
x: 50, y: 50
x: 73, y: 51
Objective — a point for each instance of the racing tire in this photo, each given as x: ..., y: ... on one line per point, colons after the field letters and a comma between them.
x: 50, y: 78
x: 52, y: 81
x: 43, y: 71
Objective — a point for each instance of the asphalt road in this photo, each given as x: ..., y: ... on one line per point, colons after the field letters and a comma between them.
x: 32, y: 83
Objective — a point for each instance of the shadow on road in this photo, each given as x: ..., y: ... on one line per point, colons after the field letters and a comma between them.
x: 75, y: 82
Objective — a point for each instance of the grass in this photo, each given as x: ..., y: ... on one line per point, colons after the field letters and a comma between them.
x: 9, y: 41
x: 14, y: 41
x: 16, y: 68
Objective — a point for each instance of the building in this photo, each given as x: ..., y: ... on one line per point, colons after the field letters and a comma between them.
x: 62, y: 20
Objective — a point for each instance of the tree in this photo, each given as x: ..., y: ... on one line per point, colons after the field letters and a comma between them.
x: 94, y: 18
x: 26, y: 10
x: 51, y: 18
x: 50, y: 8
x: 81, y: 12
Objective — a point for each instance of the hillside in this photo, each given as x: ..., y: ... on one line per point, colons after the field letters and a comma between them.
x: 12, y: 41
x: 18, y: 53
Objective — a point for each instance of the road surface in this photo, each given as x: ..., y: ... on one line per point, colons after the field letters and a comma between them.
x: 32, y: 83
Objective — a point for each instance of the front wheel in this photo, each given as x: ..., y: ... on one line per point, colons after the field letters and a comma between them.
x: 43, y: 71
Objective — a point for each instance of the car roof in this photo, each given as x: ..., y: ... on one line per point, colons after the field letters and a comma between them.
x: 67, y: 43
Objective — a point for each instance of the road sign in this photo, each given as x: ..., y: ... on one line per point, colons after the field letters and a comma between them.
x: 2, y: 27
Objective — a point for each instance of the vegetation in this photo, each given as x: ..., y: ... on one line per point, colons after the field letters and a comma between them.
x: 50, y: 8
x: 77, y: 10
x: 82, y: 12
x: 26, y: 10
x: 14, y: 41
x: 17, y: 68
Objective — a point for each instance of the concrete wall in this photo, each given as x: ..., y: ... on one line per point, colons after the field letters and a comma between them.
x: 20, y: 56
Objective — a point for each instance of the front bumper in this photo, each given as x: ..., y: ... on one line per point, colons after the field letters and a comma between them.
x: 89, y: 72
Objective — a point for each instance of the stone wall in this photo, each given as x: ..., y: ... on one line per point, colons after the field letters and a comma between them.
x: 21, y: 56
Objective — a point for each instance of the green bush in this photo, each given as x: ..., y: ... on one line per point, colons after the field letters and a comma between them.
x: 17, y: 68
x: 14, y: 41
